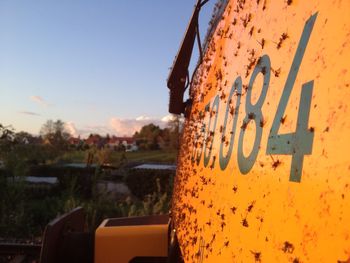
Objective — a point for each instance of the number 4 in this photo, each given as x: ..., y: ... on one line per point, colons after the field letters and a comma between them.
x: 300, y: 142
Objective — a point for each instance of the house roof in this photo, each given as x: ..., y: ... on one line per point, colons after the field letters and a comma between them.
x: 73, y: 140
x: 94, y: 139
x: 148, y: 166
x: 128, y: 140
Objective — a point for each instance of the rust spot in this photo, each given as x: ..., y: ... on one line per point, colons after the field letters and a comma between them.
x: 233, y: 209
x: 218, y: 75
x: 213, y: 238
x: 235, y: 188
x: 251, y: 115
x: 251, y: 31
x: 283, y: 119
x: 276, y: 163
x: 244, y: 125
x: 288, y: 247
x: 245, y: 222
x: 296, y: 260
x: 246, y: 20
x: 250, y: 207
x: 223, y: 96
x: 213, y: 163
x: 257, y: 256
x: 261, y: 219
x: 262, y: 123
x: 311, y: 129
x: 262, y: 43
x: 283, y: 37
x: 223, y: 224
x: 289, y: 2
x: 232, y: 110
x: 276, y: 72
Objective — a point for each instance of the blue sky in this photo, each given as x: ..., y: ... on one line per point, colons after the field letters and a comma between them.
x: 97, y: 65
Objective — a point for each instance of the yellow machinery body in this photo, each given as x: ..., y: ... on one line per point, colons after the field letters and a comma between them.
x: 264, y: 166
x: 139, y: 239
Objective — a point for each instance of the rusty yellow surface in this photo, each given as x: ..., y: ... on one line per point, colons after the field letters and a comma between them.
x: 283, y: 193
x: 123, y: 243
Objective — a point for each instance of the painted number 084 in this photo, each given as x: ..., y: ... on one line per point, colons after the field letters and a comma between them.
x: 296, y: 144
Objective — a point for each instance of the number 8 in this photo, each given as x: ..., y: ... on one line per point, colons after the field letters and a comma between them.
x: 253, y: 112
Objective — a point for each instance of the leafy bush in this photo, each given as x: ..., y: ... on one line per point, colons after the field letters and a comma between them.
x: 142, y: 182
x: 65, y: 175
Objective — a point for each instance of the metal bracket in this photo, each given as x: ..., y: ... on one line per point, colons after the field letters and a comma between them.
x: 179, y: 75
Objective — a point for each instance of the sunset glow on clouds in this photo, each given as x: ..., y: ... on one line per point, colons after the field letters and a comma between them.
x: 117, y: 126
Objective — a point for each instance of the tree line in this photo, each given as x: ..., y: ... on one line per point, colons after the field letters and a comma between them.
x: 55, y: 137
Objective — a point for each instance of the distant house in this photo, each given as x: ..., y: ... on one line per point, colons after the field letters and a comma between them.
x: 113, y: 142
x: 94, y: 140
x: 151, y: 166
x: 126, y: 142
x: 74, y: 141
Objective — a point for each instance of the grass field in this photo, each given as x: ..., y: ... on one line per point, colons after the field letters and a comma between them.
x: 156, y: 156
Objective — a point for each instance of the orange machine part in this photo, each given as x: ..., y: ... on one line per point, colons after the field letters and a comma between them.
x: 277, y: 72
x: 123, y: 243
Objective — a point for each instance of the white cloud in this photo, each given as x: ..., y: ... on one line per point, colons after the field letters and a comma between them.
x: 39, y: 100
x: 143, y: 118
x: 71, y: 129
x: 129, y: 126
x: 86, y: 130
x: 117, y: 126
x: 167, y: 118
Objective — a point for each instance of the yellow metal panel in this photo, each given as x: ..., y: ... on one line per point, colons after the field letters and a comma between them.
x: 282, y: 194
x: 123, y: 243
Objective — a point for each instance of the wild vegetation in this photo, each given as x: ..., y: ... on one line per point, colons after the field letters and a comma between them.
x: 25, y: 208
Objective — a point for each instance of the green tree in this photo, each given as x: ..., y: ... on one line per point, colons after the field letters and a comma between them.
x: 148, y: 137
x: 24, y: 137
x: 7, y: 136
x: 55, y: 134
x: 175, y: 129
